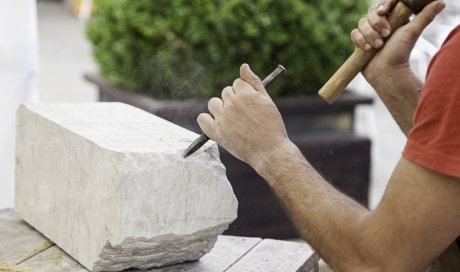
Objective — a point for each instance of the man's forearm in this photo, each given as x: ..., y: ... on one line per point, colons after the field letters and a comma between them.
x: 331, y: 222
x: 401, y: 234
x: 327, y: 219
x: 399, y: 91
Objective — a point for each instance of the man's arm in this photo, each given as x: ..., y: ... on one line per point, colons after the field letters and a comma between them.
x: 415, y: 222
x: 389, y: 72
x: 399, y: 96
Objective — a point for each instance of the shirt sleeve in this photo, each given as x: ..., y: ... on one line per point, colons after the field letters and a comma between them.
x: 434, y: 141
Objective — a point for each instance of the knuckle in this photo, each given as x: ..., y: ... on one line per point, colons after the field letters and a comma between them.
x: 355, y: 35
x: 378, y: 22
x: 210, y: 105
x: 381, y: 24
x: 217, y: 124
x: 226, y: 91
x: 199, y: 118
x: 361, y: 41
x: 430, y: 18
x: 229, y: 106
x: 235, y: 82
x: 373, y: 35
x: 369, y: 33
x: 409, y: 33
x: 244, y: 95
x: 214, y: 101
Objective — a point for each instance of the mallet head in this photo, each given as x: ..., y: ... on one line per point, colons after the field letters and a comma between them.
x: 416, y: 5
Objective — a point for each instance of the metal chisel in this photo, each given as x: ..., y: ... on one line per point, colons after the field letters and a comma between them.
x: 200, y: 141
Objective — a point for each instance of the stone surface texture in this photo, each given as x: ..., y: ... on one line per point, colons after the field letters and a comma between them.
x: 107, y: 183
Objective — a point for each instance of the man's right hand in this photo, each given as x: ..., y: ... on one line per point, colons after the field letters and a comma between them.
x: 375, y: 28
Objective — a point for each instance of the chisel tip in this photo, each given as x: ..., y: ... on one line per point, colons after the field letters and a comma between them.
x: 199, y: 142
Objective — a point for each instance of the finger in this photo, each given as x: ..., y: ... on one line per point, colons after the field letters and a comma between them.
x: 215, y: 106
x: 385, y: 6
x: 359, y: 40
x: 379, y: 23
x: 207, y: 125
x: 227, y: 94
x: 242, y: 87
x: 248, y: 75
x: 426, y: 16
x: 370, y: 34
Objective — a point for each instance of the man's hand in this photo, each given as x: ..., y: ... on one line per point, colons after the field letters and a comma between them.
x: 375, y: 28
x: 389, y: 72
x: 245, y: 121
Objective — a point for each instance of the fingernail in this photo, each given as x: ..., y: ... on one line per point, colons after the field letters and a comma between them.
x: 385, y: 32
x: 367, y: 47
x: 378, y: 43
x: 381, y: 7
x: 440, y: 6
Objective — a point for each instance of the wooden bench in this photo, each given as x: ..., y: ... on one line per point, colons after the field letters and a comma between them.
x: 23, y: 249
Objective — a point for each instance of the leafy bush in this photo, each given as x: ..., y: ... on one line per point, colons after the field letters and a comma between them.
x: 193, y: 48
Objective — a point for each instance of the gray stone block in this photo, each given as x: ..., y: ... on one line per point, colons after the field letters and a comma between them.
x: 107, y: 183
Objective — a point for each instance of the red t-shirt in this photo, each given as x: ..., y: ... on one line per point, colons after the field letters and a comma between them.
x: 434, y: 141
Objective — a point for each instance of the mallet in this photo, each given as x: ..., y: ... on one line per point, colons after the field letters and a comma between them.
x: 200, y: 141
x: 360, y: 58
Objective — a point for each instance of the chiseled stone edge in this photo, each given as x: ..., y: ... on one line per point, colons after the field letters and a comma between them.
x: 143, y: 253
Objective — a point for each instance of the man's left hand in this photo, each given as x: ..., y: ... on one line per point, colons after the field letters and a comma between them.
x: 245, y: 121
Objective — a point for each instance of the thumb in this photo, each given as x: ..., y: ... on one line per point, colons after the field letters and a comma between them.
x: 248, y: 75
x: 426, y: 16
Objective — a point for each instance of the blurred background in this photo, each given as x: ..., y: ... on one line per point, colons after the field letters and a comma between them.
x: 151, y: 51
x: 47, y: 52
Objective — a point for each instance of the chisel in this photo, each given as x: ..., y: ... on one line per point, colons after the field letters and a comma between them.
x: 200, y: 141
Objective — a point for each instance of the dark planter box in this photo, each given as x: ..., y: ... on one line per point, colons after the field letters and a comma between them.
x: 324, y: 134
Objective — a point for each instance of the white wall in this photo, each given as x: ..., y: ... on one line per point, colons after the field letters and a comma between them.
x: 18, y: 78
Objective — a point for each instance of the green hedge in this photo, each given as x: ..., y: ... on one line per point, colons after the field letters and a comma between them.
x: 193, y: 48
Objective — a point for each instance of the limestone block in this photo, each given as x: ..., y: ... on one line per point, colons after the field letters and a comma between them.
x: 107, y: 183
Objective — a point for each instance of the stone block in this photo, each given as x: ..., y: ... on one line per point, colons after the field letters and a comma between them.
x: 107, y: 183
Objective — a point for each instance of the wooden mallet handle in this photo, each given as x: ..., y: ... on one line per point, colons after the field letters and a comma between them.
x: 360, y: 58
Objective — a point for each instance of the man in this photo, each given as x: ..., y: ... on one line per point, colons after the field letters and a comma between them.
x: 419, y: 215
